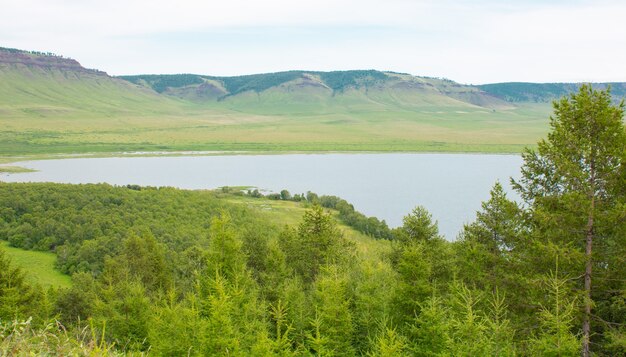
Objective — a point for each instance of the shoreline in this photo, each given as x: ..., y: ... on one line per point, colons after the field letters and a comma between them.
x: 5, y: 161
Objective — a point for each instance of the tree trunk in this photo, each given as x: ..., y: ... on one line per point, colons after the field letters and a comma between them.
x: 586, y: 320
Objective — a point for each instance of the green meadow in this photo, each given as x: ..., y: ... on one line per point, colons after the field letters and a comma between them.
x: 39, y: 266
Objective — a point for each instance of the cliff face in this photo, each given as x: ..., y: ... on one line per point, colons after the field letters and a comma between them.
x: 10, y: 56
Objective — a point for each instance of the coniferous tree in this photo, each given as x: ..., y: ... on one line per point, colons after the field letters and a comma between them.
x: 573, y: 183
x: 17, y: 297
x: 556, y: 321
x: 333, y: 307
x: 316, y: 242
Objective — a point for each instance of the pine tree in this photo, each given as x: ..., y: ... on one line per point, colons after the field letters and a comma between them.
x: 389, y: 343
x: 556, y: 321
x: 573, y: 183
x: 333, y: 306
x: 316, y: 242
x: 430, y: 332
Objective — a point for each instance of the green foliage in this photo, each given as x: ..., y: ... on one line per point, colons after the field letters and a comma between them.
x: 371, y: 226
x: 161, y: 82
x: 373, y: 303
x: 556, y: 320
x: 573, y: 185
x: 543, y: 92
x: 336, y: 80
x: 488, y: 250
x: 462, y: 326
x: 332, y: 305
x: 285, y: 195
x: 85, y: 224
x: 36, y: 53
x: 418, y: 226
x: 123, y: 311
x: 175, y: 327
x: 342, y: 80
x: 423, y: 261
x: 316, y: 242
x: 21, y: 338
x: 282, y: 344
x: 143, y: 259
x: 389, y: 343
x: 414, y: 286
x: 17, y: 297
x: 224, y: 253
x: 430, y: 331
x: 77, y: 303
x: 256, y: 82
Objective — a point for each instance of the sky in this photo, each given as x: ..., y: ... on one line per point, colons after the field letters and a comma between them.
x: 471, y: 42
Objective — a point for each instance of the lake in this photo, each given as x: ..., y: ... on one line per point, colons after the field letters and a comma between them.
x: 388, y: 186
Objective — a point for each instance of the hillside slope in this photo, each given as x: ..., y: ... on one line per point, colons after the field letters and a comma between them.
x: 40, y: 85
x: 50, y: 104
x: 516, y: 92
x: 321, y: 92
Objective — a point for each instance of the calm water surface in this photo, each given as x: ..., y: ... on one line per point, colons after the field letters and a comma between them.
x: 388, y: 186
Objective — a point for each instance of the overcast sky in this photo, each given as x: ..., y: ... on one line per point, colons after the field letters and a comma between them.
x: 473, y: 42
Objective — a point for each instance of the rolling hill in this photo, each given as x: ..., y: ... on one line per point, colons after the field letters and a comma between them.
x: 321, y: 92
x: 516, y: 92
x: 52, y: 105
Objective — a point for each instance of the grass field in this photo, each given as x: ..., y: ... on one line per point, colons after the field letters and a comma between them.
x: 213, y: 130
x: 39, y: 266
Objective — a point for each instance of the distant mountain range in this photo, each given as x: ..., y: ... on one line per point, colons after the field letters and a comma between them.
x: 305, y: 89
x: 202, y: 87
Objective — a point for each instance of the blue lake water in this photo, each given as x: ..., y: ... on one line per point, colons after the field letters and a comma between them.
x: 388, y: 186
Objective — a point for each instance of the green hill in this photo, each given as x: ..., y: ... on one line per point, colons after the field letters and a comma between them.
x: 544, y: 92
x: 40, y: 85
x: 52, y: 105
x: 315, y: 92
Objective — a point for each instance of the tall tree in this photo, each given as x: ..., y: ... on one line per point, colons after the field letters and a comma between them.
x: 572, y: 181
x: 316, y: 242
x: 423, y: 261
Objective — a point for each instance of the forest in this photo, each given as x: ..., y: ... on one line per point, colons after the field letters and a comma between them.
x: 163, y: 271
x: 336, y: 80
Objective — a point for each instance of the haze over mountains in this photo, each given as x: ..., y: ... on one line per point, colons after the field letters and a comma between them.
x: 50, y: 103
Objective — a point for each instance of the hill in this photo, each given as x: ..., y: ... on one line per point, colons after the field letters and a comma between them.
x: 35, y: 84
x: 516, y: 92
x: 52, y: 105
x: 313, y: 92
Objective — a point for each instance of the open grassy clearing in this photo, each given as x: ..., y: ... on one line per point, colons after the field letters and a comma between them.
x: 39, y: 266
